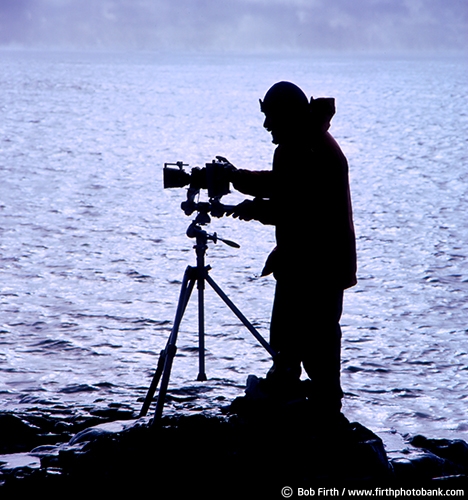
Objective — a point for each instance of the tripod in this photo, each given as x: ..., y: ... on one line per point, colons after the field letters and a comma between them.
x: 192, y: 275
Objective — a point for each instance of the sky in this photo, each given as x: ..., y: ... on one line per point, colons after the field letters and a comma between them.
x: 419, y: 26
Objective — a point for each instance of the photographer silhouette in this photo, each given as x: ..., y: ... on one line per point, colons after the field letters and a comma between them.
x: 306, y: 197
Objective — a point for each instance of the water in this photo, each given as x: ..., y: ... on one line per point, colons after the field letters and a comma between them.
x: 92, y: 249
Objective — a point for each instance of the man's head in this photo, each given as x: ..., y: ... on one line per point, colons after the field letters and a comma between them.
x: 286, y: 109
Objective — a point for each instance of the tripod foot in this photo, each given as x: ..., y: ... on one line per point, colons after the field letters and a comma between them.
x: 202, y: 377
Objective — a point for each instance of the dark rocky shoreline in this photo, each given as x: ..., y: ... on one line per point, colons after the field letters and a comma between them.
x: 246, y: 449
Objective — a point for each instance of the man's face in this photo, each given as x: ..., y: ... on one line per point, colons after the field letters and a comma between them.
x: 276, y: 125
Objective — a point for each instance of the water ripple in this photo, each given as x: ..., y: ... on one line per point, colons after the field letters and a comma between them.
x: 93, y: 250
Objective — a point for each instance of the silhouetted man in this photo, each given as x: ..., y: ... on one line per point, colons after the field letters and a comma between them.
x: 306, y: 197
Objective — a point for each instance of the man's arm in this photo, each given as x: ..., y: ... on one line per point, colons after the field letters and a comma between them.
x: 253, y: 183
x: 257, y: 209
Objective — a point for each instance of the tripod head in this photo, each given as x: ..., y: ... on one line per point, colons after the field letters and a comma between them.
x: 213, y: 206
x: 202, y: 237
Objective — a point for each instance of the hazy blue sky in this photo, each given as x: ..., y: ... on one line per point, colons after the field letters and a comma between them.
x: 244, y: 25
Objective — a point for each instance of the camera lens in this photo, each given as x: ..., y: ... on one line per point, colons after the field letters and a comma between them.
x: 175, y: 178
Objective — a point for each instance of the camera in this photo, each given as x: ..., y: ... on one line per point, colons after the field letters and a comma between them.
x: 214, y: 177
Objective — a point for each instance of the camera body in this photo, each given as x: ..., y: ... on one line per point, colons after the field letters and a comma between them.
x: 214, y: 177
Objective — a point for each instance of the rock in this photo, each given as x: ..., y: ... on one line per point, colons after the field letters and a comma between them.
x: 17, y: 436
x: 259, y: 446
x: 88, y: 435
x: 424, y: 460
x: 455, y: 451
x: 185, y: 451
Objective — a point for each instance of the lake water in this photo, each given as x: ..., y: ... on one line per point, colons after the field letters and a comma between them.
x: 92, y: 249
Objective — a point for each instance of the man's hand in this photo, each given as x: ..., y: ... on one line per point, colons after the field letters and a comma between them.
x: 227, y: 163
x: 244, y: 211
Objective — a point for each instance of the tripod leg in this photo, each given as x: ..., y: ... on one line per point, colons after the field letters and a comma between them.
x: 154, y: 384
x: 184, y: 297
x: 201, y: 330
x: 171, y: 350
x: 238, y: 313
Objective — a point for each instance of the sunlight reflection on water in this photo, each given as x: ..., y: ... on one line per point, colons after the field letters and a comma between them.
x: 93, y: 250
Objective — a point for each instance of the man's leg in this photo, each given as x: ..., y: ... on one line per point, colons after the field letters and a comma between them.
x: 284, y: 335
x: 322, y: 350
